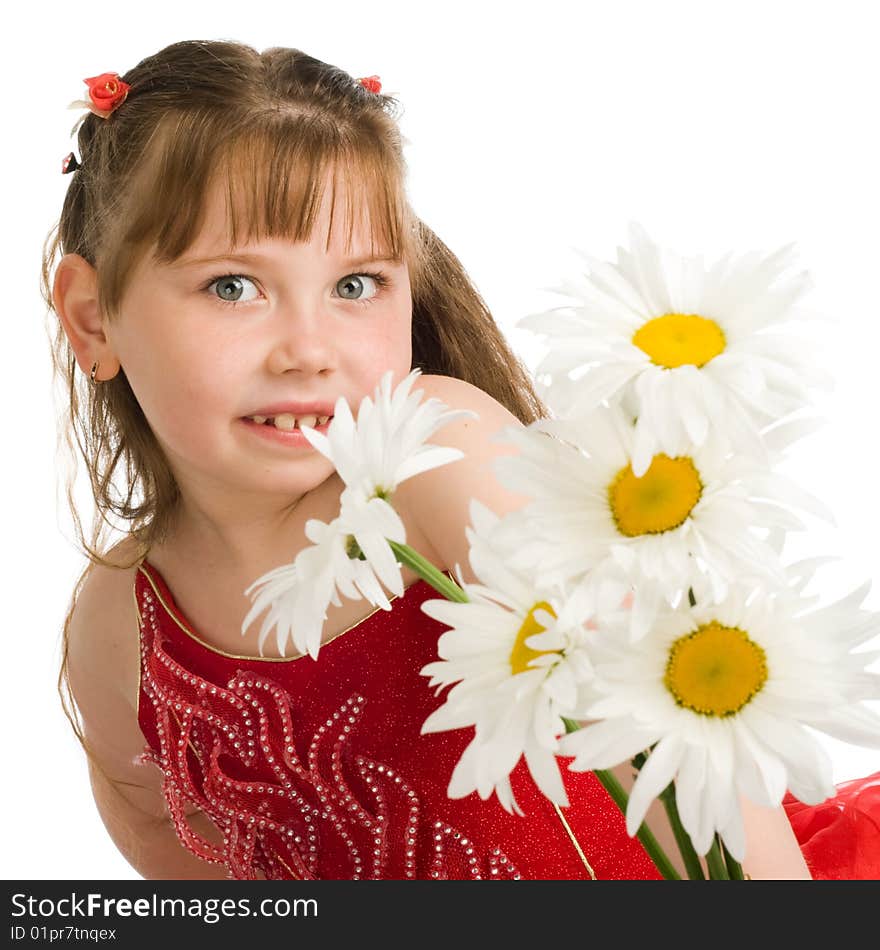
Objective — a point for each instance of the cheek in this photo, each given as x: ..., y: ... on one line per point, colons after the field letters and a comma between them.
x: 199, y: 390
x: 390, y: 348
x: 179, y: 384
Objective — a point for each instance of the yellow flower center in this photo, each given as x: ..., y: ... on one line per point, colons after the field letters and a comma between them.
x: 658, y: 501
x: 678, y: 339
x: 715, y: 670
x: 521, y: 655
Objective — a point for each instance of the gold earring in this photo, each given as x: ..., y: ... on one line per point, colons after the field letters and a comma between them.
x: 94, y: 373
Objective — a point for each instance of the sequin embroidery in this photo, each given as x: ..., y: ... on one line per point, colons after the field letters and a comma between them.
x: 213, y: 742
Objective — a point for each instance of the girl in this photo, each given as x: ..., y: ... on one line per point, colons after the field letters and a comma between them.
x: 237, y: 251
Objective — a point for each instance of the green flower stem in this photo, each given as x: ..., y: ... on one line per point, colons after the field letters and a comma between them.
x: 715, y: 863
x: 734, y: 868
x: 688, y: 854
x: 609, y: 782
x: 425, y: 569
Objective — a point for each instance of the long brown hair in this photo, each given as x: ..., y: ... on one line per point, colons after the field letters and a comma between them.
x: 268, y: 127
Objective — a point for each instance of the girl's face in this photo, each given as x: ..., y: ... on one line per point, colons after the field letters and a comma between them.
x: 268, y: 328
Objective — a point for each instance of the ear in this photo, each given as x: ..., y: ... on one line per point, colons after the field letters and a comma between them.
x: 75, y: 296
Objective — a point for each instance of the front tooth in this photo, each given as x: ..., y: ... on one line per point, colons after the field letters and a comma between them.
x: 286, y: 422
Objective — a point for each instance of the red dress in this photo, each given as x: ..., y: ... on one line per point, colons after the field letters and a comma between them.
x: 317, y: 769
x: 840, y: 837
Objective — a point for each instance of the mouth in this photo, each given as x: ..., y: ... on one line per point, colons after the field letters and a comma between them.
x: 285, y: 430
x: 286, y: 422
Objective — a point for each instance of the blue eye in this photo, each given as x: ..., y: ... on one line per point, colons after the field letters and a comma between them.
x: 358, y: 288
x: 352, y: 287
x: 230, y: 288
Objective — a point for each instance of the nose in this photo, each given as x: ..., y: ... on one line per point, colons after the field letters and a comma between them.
x: 303, y: 340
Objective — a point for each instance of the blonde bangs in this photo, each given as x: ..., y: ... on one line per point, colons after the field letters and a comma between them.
x: 275, y: 188
x: 273, y: 174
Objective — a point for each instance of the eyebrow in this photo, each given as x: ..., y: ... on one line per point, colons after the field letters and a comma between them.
x: 251, y: 259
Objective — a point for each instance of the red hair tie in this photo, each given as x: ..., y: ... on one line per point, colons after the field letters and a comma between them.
x: 371, y: 83
x: 69, y: 164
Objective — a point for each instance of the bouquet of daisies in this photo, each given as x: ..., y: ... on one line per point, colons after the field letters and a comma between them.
x: 638, y: 608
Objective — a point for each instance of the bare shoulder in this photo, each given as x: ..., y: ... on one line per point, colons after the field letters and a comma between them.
x: 438, y: 501
x: 479, y: 435
x: 103, y: 655
x: 103, y: 630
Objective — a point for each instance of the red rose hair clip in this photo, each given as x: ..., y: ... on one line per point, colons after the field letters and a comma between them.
x: 107, y: 92
x: 371, y: 83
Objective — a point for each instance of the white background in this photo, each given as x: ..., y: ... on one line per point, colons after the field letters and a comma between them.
x: 532, y: 128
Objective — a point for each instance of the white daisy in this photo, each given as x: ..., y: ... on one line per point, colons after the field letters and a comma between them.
x: 726, y: 696
x: 386, y: 445
x: 350, y: 555
x: 695, y: 513
x: 518, y: 654
x: 685, y: 348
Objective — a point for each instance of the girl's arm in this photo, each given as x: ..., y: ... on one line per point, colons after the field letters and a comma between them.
x: 438, y: 503
x: 772, y: 851
x: 103, y: 669
x: 149, y: 843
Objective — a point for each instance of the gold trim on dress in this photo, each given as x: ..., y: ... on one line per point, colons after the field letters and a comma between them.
x: 287, y: 866
x: 574, y: 841
x: 236, y: 656
x: 140, y: 629
x: 188, y: 740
